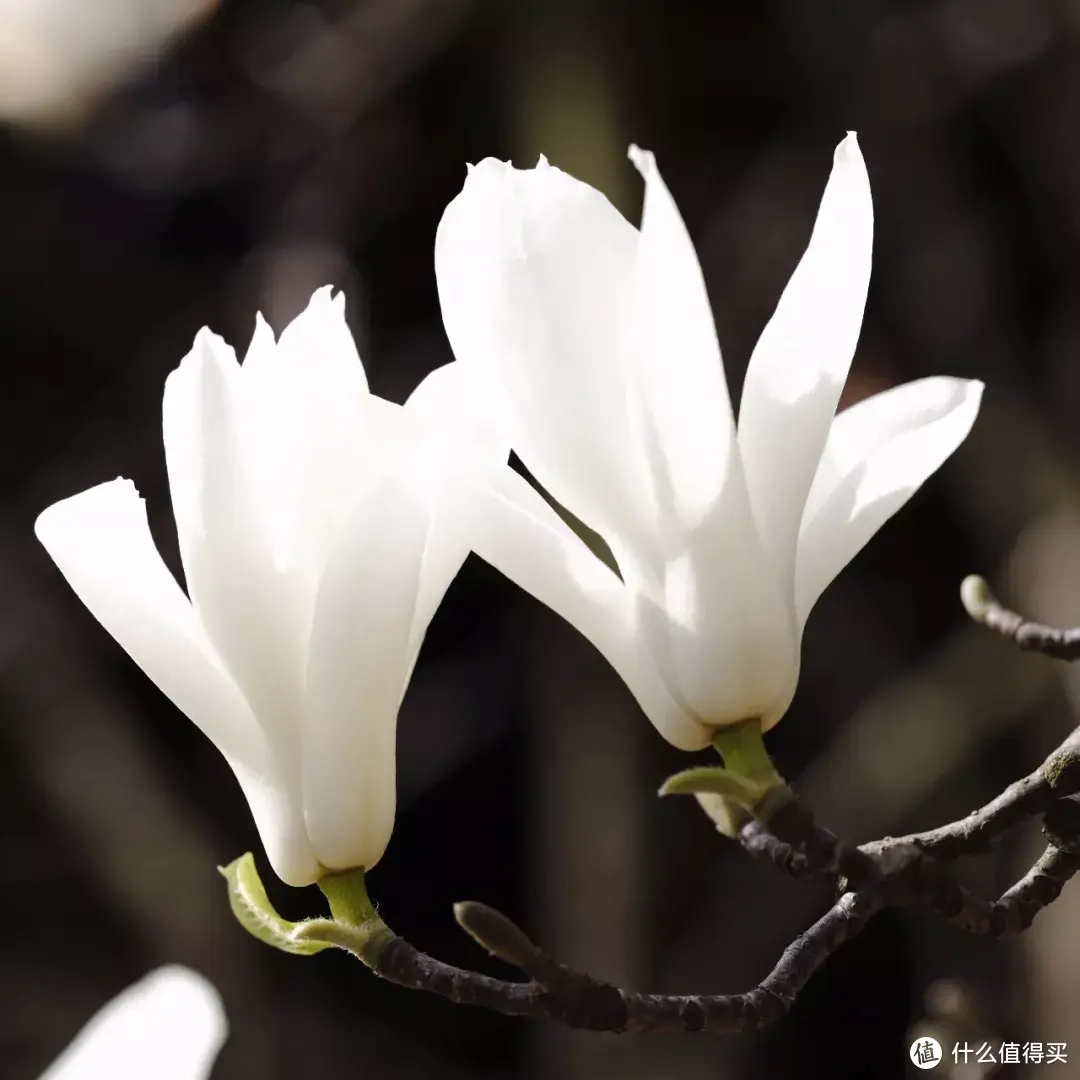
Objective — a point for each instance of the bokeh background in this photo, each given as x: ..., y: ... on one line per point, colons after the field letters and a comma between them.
x: 171, y: 163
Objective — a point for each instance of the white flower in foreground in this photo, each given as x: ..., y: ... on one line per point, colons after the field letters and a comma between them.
x: 169, y: 1025
x: 597, y: 343
x: 310, y: 520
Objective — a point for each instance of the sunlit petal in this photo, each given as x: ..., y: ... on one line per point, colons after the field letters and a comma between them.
x: 101, y: 542
x: 879, y: 453
x: 801, y: 361
x: 536, y: 275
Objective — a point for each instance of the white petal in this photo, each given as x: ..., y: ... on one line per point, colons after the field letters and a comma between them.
x: 718, y: 625
x: 512, y: 527
x: 318, y: 342
x: 101, y: 542
x: 307, y: 402
x: 801, y: 361
x: 879, y: 453
x: 450, y: 425
x: 456, y: 414
x: 357, y: 670
x: 536, y: 281
x: 243, y: 601
x: 720, y: 629
x: 681, y: 404
x: 170, y: 1025
x: 278, y: 816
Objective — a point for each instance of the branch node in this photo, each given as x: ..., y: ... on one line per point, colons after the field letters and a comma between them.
x: 1061, y: 826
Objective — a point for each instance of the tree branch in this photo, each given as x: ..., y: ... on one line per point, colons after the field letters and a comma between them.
x: 907, y: 871
x: 985, y: 608
x: 556, y: 992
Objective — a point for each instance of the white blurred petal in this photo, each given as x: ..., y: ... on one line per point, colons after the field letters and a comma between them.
x: 170, y: 1026
x: 58, y: 57
x: 801, y: 360
x: 879, y: 453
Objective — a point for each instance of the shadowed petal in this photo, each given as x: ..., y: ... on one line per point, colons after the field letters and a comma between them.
x: 452, y: 437
x: 512, y: 527
x: 358, y: 665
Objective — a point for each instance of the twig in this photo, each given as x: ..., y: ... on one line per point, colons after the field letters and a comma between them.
x: 985, y: 608
x: 556, y: 992
x: 896, y: 870
x: 910, y: 871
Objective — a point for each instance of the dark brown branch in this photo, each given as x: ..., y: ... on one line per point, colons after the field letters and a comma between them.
x: 908, y: 871
x: 985, y: 608
x: 795, y: 844
x: 891, y: 871
x: 556, y: 992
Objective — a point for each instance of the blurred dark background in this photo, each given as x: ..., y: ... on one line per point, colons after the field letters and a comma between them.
x: 172, y: 163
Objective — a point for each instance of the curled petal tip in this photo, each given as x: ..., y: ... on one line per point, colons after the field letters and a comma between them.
x: 848, y: 149
x: 643, y: 160
x: 542, y: 162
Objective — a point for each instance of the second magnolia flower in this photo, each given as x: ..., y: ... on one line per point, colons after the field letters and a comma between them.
x: 311, y: 518
x: 597, y: 342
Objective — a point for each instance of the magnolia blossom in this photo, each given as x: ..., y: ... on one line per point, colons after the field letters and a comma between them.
x: 596, y: 343
x: 310, y: 519
x: 169, y: 1025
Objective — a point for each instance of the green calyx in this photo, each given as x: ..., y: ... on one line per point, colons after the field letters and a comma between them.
x: 742, y: 747
x: 255, y: 913
x: 746, y: 785
x: 347, y: 895
x: 354, y: 924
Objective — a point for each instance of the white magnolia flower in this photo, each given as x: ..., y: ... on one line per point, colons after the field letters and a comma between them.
x: 169, y: 1025
x: 597, y: 343
x: 310, y: 520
